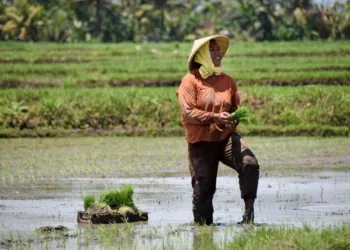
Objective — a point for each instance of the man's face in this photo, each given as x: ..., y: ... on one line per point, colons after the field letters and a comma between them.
x: 215, y: 53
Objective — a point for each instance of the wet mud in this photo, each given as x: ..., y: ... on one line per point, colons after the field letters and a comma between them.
x: 39, y: 72
x: 41, y: 133
x: 141, y: 83
x: 171, y: 83
x: 29, y: 84
x: 295, y: 82
x: 47, y: 60
x: 176, y: 82
x: 316, y: 69
x: 50, y: 229
x: 313, y: 198
x: 284, y: 54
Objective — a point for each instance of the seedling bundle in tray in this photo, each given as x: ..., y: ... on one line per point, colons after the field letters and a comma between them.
x: 114, y: 206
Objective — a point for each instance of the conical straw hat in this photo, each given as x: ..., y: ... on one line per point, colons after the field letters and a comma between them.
x: 221, y: 40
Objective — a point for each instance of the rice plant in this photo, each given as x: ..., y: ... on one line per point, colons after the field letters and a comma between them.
x: 241, y: 115
x: 88, y: 200
x: 119, y: 198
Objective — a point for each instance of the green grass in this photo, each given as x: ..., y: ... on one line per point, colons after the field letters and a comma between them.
x: 77, y: 64
x: 309, y: 110
x: 287, y: 237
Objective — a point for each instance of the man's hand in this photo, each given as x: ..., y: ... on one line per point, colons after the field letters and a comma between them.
x: 224, y: 119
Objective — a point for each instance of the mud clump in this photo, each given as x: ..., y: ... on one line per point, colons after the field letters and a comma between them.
x: 50, y: 229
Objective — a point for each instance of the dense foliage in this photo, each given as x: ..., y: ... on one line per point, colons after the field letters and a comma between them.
x: 308, y: 110
x: 171, y: 20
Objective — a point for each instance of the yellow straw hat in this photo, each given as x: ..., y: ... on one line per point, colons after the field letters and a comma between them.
x: 221, y: 40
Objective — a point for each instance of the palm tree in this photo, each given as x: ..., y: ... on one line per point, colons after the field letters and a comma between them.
x: 58, y: 24
x: 92, y: 11
x: 23, y: 21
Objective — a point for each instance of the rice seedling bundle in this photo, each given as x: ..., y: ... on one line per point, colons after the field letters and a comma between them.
x: 118, y: 198
x: 88, y: 201
x: 241, y: 115
x: 112, y: 202
x: 100, y: 208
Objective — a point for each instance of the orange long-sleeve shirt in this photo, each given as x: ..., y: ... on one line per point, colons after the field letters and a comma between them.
x: 199, y: 100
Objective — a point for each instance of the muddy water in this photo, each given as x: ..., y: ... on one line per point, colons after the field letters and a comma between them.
x: 313, y: 198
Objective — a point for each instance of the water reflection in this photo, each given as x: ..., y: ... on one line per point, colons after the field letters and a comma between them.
x: 316, y: 198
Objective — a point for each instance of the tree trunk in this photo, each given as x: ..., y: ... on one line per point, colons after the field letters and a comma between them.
x: 98, y: 23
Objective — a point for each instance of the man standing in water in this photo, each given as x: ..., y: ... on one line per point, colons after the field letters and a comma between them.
x: 207, y: 96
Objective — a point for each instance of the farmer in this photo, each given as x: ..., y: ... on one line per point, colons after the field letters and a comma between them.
x: 207, y: 96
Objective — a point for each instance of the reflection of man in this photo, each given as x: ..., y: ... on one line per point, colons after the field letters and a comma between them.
x: 207, y: 96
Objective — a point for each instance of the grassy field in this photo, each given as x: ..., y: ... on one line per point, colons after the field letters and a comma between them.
x: 308, y: 110
x: 46, y: 89
x: 70, y: 64
x: 292, y: 238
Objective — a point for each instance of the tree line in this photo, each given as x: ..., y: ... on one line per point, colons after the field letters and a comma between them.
x: 171, y: 20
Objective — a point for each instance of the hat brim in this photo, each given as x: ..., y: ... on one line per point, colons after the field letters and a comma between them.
x: 221, y: 40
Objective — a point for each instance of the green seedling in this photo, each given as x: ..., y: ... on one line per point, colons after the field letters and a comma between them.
x: 88, y: 201
x: 241, y: 115
x: 119, y: 198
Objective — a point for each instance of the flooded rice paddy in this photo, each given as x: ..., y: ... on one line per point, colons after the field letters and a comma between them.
x: 311, y: 190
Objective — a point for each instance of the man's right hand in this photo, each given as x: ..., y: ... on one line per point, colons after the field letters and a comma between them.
x: 222, y: 118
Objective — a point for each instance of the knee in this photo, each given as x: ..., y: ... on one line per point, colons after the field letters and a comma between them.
x: 249, y: 158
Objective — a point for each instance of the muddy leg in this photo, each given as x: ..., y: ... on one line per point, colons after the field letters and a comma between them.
x: 241, y: 158
x: 203, y: 167
x: 248, y: 183
x: 248, y: 175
